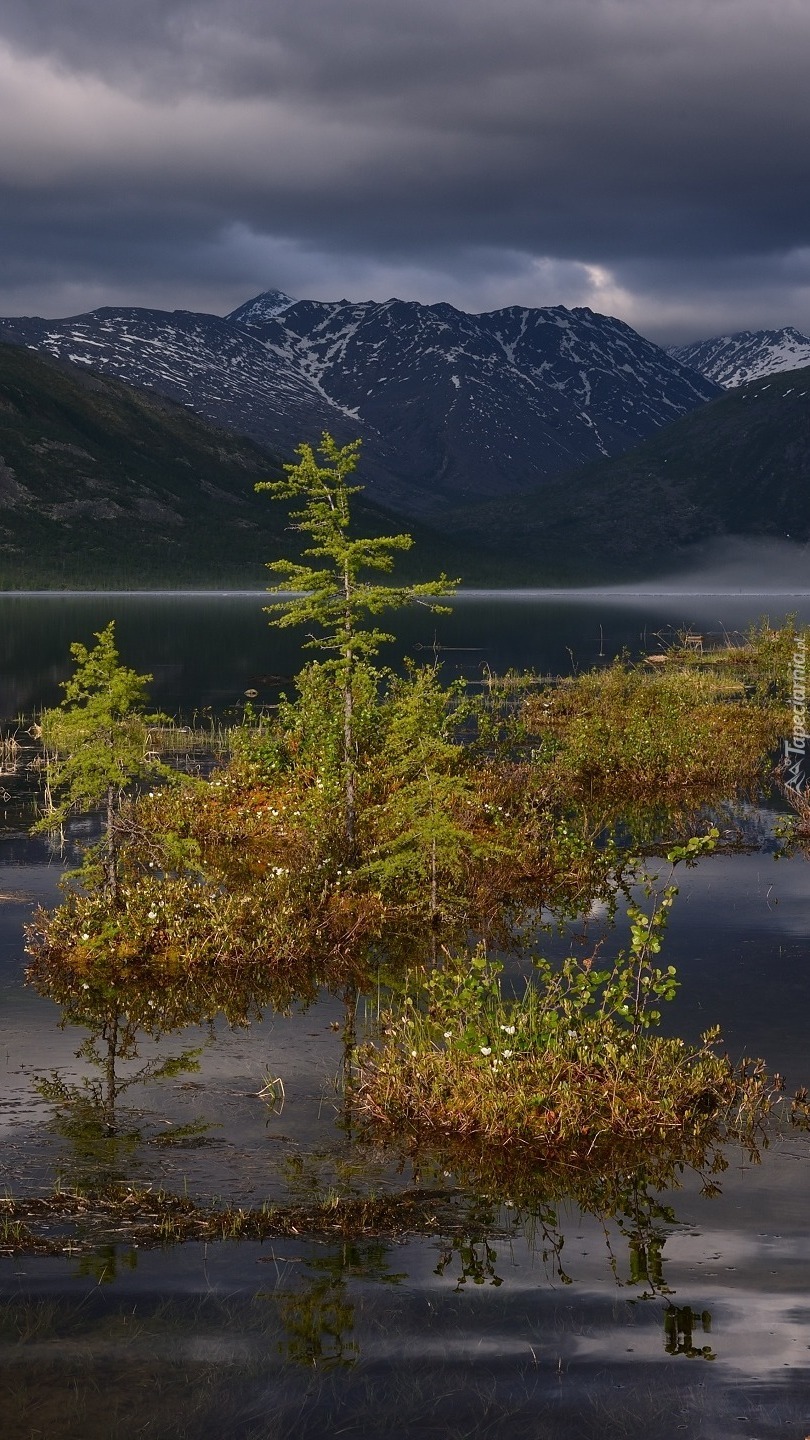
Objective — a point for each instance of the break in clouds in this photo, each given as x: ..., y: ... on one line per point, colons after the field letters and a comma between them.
x: 644, y: 157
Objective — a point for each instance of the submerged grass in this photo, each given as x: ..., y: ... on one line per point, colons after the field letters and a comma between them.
x: 76, y: 1222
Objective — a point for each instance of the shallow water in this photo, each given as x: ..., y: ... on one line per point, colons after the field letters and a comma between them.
x: 433, y: 1336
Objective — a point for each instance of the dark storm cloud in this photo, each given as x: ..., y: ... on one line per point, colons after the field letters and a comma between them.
x: 647, y: 155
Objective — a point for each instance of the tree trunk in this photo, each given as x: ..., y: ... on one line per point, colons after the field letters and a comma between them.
x: 349, y: 1044
x: 111, y: 859
x: 350, y: 799
x: 109, y: 1073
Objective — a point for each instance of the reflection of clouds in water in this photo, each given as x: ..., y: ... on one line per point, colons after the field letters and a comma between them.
x: 724, y: 899
x: 758, y: 1331
x: 757, y: 1335
x: 756, y: 893
x: 598, y: 910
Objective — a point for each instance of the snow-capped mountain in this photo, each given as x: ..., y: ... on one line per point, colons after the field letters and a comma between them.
x: 451, y: 407
x: 263, y: 307
x: 731, y: 360
x: 215, y: 368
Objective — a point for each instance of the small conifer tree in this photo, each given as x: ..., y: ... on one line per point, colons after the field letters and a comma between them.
x: 96, y: 743
x: 333, y: 595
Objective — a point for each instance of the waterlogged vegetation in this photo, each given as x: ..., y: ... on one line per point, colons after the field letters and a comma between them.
x: 701, y: 721
x: 394, y: 837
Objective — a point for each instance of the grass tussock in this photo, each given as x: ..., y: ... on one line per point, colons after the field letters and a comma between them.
x: 680, y: 727
x: 571, y: 1071
x: 566, y: 1105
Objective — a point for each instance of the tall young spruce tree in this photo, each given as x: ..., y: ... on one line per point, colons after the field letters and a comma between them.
x: 332, y: 595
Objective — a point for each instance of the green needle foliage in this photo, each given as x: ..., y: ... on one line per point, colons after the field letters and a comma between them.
x: 332, y: 595
x: 424, y: 836
x: 96, y: 743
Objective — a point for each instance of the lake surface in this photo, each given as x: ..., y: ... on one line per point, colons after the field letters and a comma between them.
x: 206, y: 649
x: 524, y: 1334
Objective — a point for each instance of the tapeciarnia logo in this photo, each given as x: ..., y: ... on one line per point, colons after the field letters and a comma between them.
x: 796, y: 746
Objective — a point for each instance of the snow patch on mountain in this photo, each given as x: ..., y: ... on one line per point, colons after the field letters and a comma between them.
x: 261, y: 308
x: 450, y: 406
x: 732, y: 360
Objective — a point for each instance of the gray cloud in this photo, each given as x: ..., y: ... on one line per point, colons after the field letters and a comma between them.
x: 648, y: 156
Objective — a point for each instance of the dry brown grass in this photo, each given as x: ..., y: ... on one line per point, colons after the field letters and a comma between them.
x: 553, y: 1104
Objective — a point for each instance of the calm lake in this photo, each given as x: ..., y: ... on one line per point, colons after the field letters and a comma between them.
x: 690, y: 1319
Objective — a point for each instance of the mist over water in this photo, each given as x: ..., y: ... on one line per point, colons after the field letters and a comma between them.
x: 737, y: 565
x: 206, y: 649
x: 728, y: 566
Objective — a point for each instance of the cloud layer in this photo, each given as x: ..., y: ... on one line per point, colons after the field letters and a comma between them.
x: 646, y: 157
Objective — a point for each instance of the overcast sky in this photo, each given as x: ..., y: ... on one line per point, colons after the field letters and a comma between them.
x: 648, y: 158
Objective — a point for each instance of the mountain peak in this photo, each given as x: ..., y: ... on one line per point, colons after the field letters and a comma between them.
x: 732, y: 360
x: 450, y: 406
x: 261, y: 308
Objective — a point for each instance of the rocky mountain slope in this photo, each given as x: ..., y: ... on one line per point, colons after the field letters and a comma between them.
x: 452, y: 408
x: 104, y: 484
x: 738, y: 466
x: 731, y: 360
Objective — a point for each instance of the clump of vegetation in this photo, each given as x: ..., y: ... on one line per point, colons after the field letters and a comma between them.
x: 149, y: 1216
x: 572, y: 1068
x: 760, y: 659
x: 332, y: 595
x: 630, y: 728
x: 370, y: 823
x: 95, y: 745
x: 566, y: 1101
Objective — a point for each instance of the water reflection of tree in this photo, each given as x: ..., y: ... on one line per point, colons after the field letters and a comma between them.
x: 103, y: 1133
x: 319, y: 1315
x: 631, y: 1199
x: 88, y: 1113
x: 680, y: 1323
x: 645, y: 1222
x: 124, y: 1007
x: 477, y: 1258
x: 106, y: 1263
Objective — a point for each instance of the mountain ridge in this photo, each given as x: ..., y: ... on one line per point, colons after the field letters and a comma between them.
x: 103, y: 484
x: 739, y: 466
x: 732, y: 360
x: 452, y: 408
